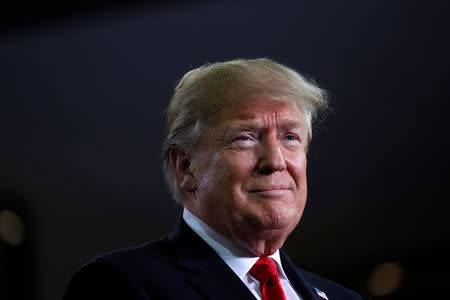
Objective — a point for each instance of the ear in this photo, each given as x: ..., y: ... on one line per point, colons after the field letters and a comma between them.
x: 181, y: 164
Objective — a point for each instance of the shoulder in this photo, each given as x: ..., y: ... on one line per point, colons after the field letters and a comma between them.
x: 316, y: 285
x: 137, y: 258
x: 332, y: 289
x: 122, y: 274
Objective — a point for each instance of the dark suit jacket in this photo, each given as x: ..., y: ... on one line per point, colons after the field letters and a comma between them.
x: 180, y: 266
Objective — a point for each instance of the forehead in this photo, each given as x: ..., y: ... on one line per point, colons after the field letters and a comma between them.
x: 260, y: 112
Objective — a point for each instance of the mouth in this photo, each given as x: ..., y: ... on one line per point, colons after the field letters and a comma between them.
x: 270, y: 190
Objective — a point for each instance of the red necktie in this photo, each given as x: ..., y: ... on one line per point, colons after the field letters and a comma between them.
x: 265, y: 270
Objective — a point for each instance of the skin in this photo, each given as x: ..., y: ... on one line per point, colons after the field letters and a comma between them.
x: 247, y: 177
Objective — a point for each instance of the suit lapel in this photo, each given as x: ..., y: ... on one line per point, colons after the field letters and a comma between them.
x: 218, y: 281
x: 302, y: 286
x: 208, y: 273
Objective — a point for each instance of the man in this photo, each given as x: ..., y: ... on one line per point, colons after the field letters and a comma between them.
x: 234, y: 156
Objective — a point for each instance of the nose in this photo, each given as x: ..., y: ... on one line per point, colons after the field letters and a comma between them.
x: 271, y: 156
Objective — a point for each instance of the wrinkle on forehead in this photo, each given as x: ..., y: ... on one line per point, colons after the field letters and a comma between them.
x: 254, y: 105
x: 259, y: 121
x: 263, y: 112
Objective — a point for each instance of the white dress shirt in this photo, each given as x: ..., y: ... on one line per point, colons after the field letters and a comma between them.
x: 238, y: 259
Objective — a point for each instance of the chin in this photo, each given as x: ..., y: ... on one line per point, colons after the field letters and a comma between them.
x: 279, y: 218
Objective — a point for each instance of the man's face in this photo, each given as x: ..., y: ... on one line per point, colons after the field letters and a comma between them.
x: 250, y: 173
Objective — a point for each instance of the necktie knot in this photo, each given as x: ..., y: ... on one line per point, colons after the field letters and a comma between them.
x: 265, y: 270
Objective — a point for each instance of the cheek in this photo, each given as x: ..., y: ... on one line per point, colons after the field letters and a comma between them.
x: 223, y: 171
x: 239, y: 168
x: 297, y: 164
x: 210, y: 175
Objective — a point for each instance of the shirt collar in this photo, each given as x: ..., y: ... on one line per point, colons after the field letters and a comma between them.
x: 238, y: 259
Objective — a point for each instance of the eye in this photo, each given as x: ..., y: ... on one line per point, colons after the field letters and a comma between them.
x: 291, y: 140
x: 243, y: 141
x: 291, y: 137
x: 242, y: 138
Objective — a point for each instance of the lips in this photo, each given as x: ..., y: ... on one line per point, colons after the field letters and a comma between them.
x: 269, y: 188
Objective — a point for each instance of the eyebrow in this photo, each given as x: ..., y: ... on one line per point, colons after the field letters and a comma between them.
x: 244, y: 123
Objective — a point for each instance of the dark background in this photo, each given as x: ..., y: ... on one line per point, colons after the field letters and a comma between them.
x: 83, y: 88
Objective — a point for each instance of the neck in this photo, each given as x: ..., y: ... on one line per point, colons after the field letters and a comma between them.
x: 248, y: 242
x: 262, y: 243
